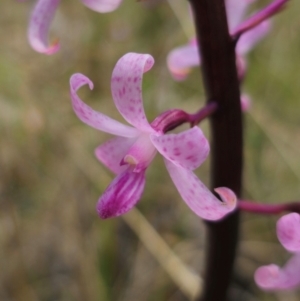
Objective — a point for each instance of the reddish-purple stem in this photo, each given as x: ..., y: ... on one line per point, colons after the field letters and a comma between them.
x: 270, y: 10
x: 171, y: 119
x: 252, y: 207
x: 205, y: 112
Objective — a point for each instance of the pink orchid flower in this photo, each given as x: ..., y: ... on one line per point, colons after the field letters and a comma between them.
x: 272, y: 277
x: 180, y: 60
x: 130, y: 153
x: 42, y: 17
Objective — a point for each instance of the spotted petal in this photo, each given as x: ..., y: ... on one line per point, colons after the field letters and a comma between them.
x: 126, y: 84
x: 198, y: 197
x: 39, y: 24
x: 188, y: 149
x: 181, y: 59
x: 273, y: 278
x: 93, y: 118
x: 288, y: 232
x: 122, y: 194
x: 250, y: 38
x: 102, y: 6
x: 111, y: 153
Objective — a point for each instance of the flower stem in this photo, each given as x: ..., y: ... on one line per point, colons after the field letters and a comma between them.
x: 208, y: 110
x: 266, y: 13
x: 171, y: 119
x: 222, y: 85
x: 252, y: 207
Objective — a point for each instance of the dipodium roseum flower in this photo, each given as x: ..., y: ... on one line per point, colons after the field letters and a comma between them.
x: 43, y: 14
x: 272, y: 277
x: 130, y: 153
x: 180, y: 60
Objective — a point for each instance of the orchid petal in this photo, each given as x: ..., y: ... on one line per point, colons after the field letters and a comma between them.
x: 140, y: 154
x: 235, y: 10
x: 102, y: 6
x: 188, y: 149
x: 122, y: 194
x: 111, y: 153
x: 198, y: 197
x: 93, y: 118
x: 126, y: 89
x: 288, y: 232
x: 272, y: 278
x: 250, y: 38
x: 40, y: 20
x: 181, y: 59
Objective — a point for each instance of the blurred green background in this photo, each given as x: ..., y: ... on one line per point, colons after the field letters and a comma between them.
x: 53, y: 246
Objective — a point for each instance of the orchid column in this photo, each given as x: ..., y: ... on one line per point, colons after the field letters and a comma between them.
x: 221, y: 85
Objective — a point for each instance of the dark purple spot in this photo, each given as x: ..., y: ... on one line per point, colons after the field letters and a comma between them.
x: 191, y: 144
x: 176, y: 152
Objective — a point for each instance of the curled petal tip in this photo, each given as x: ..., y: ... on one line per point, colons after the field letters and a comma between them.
x: 288, y: 231
x: 227, y: 196
x: 198, y: 197
x: 78, y: 80
x: 91, y: 117
x: 40, y: 47
x: 267, y: 276
x: 40, y: 21
x: 53, y: 48
x: 149, y: 63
